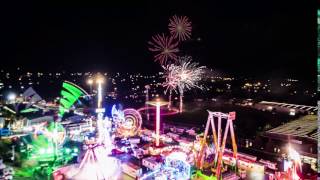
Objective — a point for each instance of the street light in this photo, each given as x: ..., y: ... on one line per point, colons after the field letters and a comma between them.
x: 99, y: 80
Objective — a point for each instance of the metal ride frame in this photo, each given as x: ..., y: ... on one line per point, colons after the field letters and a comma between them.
x: 219, y: 145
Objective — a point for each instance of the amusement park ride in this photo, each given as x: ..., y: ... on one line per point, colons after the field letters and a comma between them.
x: 158, y: 104
x: 177, y: 157
x: 128, y: 121
x: 219, y: 144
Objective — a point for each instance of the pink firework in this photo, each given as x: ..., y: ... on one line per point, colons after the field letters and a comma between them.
x: 180, y: 27
x: 172, y: 77
x: 165, y: 46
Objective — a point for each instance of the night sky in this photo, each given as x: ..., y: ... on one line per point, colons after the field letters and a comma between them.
x: 250, y: 38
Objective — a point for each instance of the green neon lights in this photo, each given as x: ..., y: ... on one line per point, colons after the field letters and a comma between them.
x: 28, y: 110
x: 45, y: 153
x: 200, y: 176
x: 70, y: 94
x: 44, y: 144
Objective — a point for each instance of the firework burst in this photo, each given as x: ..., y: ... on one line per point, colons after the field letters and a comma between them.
x: 180, y: 27
x: 165, y: 47
x: 172, y: 80
x: 171, y: 76
x: 189, y: 76
x: 189, y: 73
x: 184, y: 75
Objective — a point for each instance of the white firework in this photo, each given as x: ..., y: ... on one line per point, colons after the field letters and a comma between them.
x: 185, y: 75
x: 189, y: 73
x: 172, y: 77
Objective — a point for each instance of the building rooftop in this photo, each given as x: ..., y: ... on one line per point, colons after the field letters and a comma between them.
x: 305, y: 127
x: 294, y: 106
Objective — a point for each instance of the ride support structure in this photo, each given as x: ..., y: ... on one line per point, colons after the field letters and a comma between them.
x: 218, y: 141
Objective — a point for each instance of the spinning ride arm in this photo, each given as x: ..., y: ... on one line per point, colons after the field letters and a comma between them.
x: 203, y: 141
x: 219, y: 148
x: 234, y: 144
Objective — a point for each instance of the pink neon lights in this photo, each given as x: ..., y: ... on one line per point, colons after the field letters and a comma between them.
x: 158, y: 103
x: 96, y: 163
x: 157, y: 123
x: 171, y: 111
x: 130, y: 123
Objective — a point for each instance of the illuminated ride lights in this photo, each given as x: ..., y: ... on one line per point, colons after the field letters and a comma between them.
x: 96, y: 165
x: 293, y: 166
x: 175, y: 148
x: 47, y: 153
x: 218, y: 141
x: 47, y: 147
x: 70, y: 94
x: 175, y: 167
x: 166, y: 150
x: 164, y: 112
x: 103, y: 126
x: 54, y: 131
x: 158, y: 104
x: 178, y: 161
x: 149, y: 175
x: 199, y: 175
x: 47, y: 142
x: 128, y: 122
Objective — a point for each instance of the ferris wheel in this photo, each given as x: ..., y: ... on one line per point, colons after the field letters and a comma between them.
x: 128, y: 121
